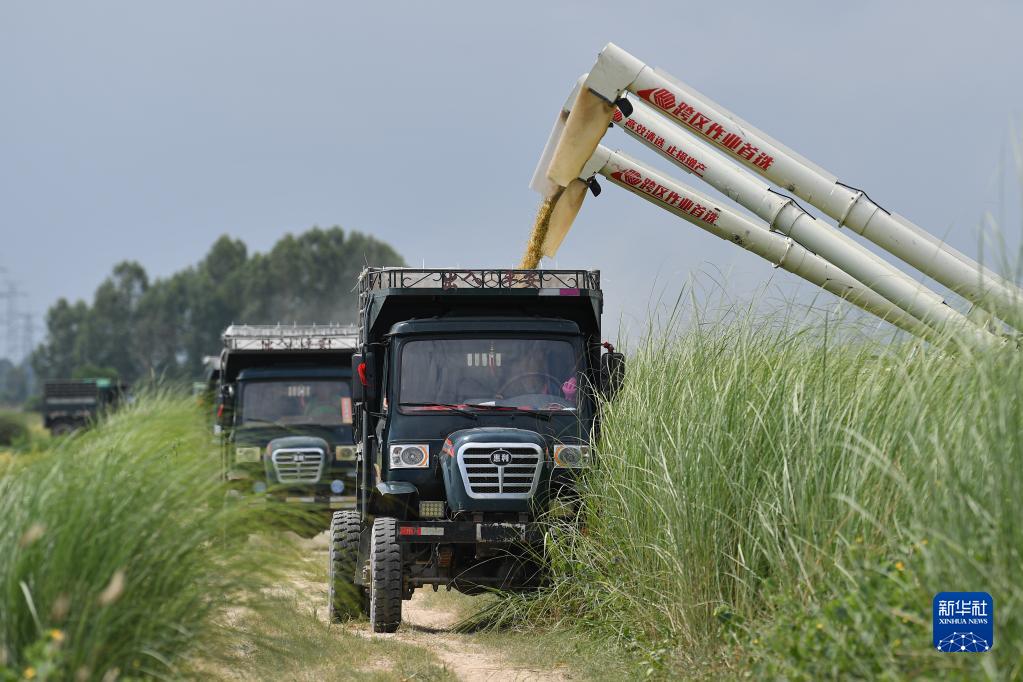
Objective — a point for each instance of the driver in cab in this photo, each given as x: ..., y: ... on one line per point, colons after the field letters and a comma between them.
x: 534, y: 377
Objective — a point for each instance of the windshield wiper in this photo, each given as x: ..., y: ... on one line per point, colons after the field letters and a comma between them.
x: 446, y: 406
x: 514, y: 410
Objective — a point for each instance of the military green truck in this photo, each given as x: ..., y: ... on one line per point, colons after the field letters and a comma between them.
x: 72, y: 404
x: 284, y: 414
x: 475, y: 406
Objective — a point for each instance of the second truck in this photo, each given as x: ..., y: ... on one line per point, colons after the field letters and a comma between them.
x: 285, y: 415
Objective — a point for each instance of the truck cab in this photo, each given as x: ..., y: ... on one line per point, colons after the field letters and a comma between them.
x: 72, y: 404
x: 476, y: 404
x: 285, y: 415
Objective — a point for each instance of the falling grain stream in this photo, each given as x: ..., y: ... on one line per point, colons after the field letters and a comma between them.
x: 534, y: 248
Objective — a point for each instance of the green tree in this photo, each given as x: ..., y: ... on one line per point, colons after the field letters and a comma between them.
x: 58, y: 354
x: 15, y: 382
x: 309, y: 278
x: 140, y: 328
x: 107, y: 337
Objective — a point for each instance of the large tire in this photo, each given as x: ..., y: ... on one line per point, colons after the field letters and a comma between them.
x: 385, y: 567
x: 345, y: 599
x: 62, y: 429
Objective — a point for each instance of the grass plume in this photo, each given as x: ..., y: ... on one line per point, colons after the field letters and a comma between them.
x: 117, y: 552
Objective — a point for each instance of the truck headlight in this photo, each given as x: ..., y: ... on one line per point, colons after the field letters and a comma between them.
x: 344, y: 453
x: 410, y: 456
x: 246, y: 454
x: 571, y: 456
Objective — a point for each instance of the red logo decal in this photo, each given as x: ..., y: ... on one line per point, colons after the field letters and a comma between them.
x: 631, y: 176
x: 616, y: 116
x: 664, y: 99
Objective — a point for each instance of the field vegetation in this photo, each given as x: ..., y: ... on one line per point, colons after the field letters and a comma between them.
x: 116, y: 550
x: 769, y: 500
x: 774, y: 501
x: 121, y: 558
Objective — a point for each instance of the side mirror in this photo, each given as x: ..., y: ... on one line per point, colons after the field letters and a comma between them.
x: 358, y: 377
x: 365, y: 387
x: 225, y: 404
x: 612, y: 373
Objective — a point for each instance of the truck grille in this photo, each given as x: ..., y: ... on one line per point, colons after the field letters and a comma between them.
x: 484, y: 479
x: 294, y: 465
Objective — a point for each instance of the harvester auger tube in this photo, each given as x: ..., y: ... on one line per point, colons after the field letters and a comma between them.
x: 784, y: 215
x: 617, y: 72
x: 783, y: 252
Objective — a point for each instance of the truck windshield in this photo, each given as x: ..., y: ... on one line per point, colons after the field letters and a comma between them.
x: 320, y: 402
x: 534, y: 374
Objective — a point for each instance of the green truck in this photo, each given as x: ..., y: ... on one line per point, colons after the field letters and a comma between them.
x: 72, y: 404
x: 476, y: 402
x: 284, y: 414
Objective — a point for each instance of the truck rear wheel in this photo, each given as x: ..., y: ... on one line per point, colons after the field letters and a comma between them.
x: 385, y: 565
x: 345, y: 599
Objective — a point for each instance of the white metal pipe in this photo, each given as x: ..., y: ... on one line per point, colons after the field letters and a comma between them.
x: 727, y: 224
x: 784, y: 215
x: 616, y: 71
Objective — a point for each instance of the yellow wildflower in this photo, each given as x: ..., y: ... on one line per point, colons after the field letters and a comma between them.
x: 899, y: 566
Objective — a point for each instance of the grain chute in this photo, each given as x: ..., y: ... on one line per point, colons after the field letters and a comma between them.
x: 685, y: 127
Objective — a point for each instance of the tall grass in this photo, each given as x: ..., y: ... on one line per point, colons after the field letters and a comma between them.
x: 117, y: 554
x: 774, y: 501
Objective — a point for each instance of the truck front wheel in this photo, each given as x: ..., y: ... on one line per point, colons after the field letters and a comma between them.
x: 386, y: 576
x: 61, y: 429
x: 345, y: 599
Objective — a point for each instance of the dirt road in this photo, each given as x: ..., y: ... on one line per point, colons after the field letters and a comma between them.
x: 428, y: 622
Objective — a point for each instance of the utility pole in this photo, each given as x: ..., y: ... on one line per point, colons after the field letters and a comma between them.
x: 28, y: 335
x: 11, y: 293
x: 12, y: 318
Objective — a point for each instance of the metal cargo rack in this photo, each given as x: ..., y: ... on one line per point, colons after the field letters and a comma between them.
x: 411, y: 278
x: 255, y: 337
x: 86, y: 388
x: 426, y: 283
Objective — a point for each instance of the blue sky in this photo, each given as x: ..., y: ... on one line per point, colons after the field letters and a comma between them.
x: 145, y: 130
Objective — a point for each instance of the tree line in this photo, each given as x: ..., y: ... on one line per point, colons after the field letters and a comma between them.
x: 137, y: 328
